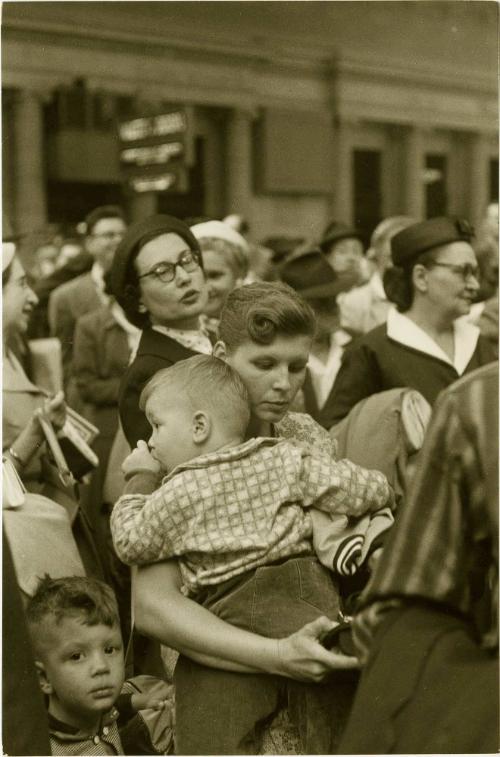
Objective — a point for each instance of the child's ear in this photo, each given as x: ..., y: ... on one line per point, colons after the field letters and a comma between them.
x: 201, y: 427
x: 219, y: 350
x: 45, y: 684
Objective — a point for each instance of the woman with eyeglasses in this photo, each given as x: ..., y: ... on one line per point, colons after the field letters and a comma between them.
x: 425, y: 344
x: 158, y: 279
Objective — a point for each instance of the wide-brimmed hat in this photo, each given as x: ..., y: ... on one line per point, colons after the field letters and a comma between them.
x: 8, y: 252
x: 136, y: 237
x: 312, y: 276
x: 421, y: 237
x: 335, y: 232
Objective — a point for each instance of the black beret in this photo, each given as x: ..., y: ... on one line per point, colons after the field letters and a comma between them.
x: 137, y: 235
x: 411, y: 242
x: 336, y: 231
x: 312, y: 276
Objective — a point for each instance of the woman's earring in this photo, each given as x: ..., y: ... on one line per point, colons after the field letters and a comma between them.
x: 142, y: 307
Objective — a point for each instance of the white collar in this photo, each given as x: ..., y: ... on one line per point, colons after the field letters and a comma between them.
x: 192, y: 339
x: 377, y: 286
x: 402, y: 329
x: 97, y: 275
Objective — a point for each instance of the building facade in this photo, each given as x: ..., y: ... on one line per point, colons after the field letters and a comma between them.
x: 299, y: 112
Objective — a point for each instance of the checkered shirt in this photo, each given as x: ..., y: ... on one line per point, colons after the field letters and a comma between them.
x: 235, y: 509
x: 69, y: 741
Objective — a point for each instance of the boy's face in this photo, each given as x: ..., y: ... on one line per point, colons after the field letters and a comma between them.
x: 82, y: 669
x: 171, y: 441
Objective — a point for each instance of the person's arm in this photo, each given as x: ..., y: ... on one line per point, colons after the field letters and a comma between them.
x: 143, y: 523
x: 341, y: 487
x: 165, y: 614
x: 28, y: 442
x: 358, y: 377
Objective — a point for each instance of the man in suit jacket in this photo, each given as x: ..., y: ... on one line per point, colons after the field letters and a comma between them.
x: 105, y: 227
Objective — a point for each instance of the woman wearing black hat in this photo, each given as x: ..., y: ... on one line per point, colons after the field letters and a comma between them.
x: 425, y: 344
x: 158, y: 279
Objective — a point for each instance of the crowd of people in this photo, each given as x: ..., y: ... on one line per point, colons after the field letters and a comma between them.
x: 284, y: 538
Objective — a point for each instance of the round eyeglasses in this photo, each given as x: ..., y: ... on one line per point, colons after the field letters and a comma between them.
x: 165, y: 271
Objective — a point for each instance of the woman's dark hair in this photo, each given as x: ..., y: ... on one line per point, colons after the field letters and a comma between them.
x: 261, y: 311
x: 398, y: 282
x: 125, y: 283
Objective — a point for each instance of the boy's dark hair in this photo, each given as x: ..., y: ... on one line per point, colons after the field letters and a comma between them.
x: 73, y: 596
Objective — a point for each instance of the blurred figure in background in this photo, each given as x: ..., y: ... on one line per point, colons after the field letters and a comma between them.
x: 225, y: 260
x: 343, y: 248
x: 72, y: 261
x: 104, y: 343
x: 425, y: 344
x: 314, y: 279
x: 260, y: 258
x: 105, y: 227
x: 366, y: 306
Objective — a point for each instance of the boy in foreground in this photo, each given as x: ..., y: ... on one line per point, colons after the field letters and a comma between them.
x: 75, y: 631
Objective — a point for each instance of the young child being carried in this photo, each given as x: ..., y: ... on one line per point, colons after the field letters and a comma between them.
x: 235, y: 513
x: 77, y: 644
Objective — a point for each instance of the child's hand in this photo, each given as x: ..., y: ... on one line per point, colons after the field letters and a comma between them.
x: 140, y: 460
x: 152, y: 700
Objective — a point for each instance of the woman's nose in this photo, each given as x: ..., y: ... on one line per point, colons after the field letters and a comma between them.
x: 282, y: 379
x: 182, y: 275
x: 33, y: 297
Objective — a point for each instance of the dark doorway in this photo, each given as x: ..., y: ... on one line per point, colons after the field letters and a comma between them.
x: 436, y: 200
x: 367, y: 191
x: 493, y: 180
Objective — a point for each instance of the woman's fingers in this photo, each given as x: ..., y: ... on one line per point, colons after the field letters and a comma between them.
x: 302, y: 655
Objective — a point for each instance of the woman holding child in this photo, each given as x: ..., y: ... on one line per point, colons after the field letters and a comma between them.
x: 266, y: 332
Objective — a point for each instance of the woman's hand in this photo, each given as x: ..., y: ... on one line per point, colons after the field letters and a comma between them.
x: 54, y: 409
x: 301, y: 655
x: 140, y: 460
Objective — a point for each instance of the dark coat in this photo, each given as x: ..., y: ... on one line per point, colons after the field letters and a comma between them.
x: 427, y: 688
x: 375, y: 363
x: 155, y: 351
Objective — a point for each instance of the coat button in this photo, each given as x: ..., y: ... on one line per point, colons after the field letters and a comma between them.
x: 96, y: 739
x: 105, y: 730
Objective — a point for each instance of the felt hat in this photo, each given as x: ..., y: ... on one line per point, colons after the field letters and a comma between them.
x: 335, y: 232
x: 421, y: 237
x: 8, y: 252
x: 220, y: 230
x: 136, y: 237
x: 311, y: 276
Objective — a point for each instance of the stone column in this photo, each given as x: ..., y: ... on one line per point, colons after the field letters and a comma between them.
x: 142, y: 205
x: 30, y: 186
x: 414, y: 199
x: 239, y: 163
x: 477, y: 173
x: 343, y: 209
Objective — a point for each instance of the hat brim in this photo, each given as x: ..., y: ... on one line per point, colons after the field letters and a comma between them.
x: 321, y: 291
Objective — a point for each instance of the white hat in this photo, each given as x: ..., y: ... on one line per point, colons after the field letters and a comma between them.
x: 220, y: 230
x: 8, y: 252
